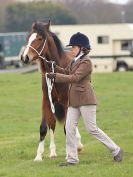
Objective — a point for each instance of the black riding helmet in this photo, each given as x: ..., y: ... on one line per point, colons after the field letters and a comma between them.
x: 79, y: 39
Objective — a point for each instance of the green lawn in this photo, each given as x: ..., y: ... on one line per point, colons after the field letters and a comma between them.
x: 20, y: 116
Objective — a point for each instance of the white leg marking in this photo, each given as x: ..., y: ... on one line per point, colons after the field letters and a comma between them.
x: 66, y: 155
x: 40, y: 151
x: 52, y: 145
x: 78, y: 137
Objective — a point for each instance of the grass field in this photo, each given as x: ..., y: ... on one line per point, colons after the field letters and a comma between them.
x: 20, y: 116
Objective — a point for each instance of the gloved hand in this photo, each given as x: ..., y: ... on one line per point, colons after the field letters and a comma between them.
x: 51, y: 75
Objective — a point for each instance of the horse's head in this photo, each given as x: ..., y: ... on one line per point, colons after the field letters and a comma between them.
x: 37, y: 46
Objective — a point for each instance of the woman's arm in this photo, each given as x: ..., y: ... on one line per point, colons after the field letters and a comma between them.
x: 84, y: 69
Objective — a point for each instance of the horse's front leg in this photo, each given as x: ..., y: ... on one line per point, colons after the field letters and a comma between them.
x: 52, y: 144
x: 43, y: 132
x: 52, y: 124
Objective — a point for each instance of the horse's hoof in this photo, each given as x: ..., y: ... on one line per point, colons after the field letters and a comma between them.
x: 80, y: 147
x: 38, y: 159
x: 52, y: 156
x: 66, y: 157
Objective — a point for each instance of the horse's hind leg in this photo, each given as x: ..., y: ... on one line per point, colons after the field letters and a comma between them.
x: 40, y: 150
x: 78, y: 138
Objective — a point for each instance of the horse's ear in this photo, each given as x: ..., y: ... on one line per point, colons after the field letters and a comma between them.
x: 49, y: 22
x: 33, y: 25
x: 48, y: 25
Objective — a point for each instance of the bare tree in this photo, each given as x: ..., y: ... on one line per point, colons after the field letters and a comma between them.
x: 95, y: 11
x: 3, y: 5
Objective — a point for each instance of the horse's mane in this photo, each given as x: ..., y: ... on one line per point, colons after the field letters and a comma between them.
x: 57, y: 43
x: 39, y: 28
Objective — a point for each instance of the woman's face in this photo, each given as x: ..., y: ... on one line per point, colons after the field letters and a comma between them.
x: 74, y: 51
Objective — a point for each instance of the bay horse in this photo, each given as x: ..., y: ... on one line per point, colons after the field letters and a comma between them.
x: 44, y: 46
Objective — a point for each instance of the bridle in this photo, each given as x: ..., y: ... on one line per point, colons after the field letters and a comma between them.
x: 40, y: 56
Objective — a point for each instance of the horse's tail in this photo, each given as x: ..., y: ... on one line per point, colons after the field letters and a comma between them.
x: 59, y: 111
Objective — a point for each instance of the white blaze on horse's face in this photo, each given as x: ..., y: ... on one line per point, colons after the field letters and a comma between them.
x: 31, y: 39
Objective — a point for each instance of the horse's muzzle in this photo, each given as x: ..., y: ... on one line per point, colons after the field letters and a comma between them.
x: 25, y: 59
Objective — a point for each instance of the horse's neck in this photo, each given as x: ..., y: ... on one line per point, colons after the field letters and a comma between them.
x: 61, y: 60
x: 64, y: 60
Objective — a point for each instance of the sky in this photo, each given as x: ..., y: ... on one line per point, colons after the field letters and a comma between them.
x: 119, y: 1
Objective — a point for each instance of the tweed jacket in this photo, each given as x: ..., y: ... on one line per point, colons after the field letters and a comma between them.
x: 78, y: 74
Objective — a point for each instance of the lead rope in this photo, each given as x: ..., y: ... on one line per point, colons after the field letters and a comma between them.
x: 49, y: 83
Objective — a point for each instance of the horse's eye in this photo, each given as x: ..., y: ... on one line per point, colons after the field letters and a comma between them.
x: 39, y: 38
